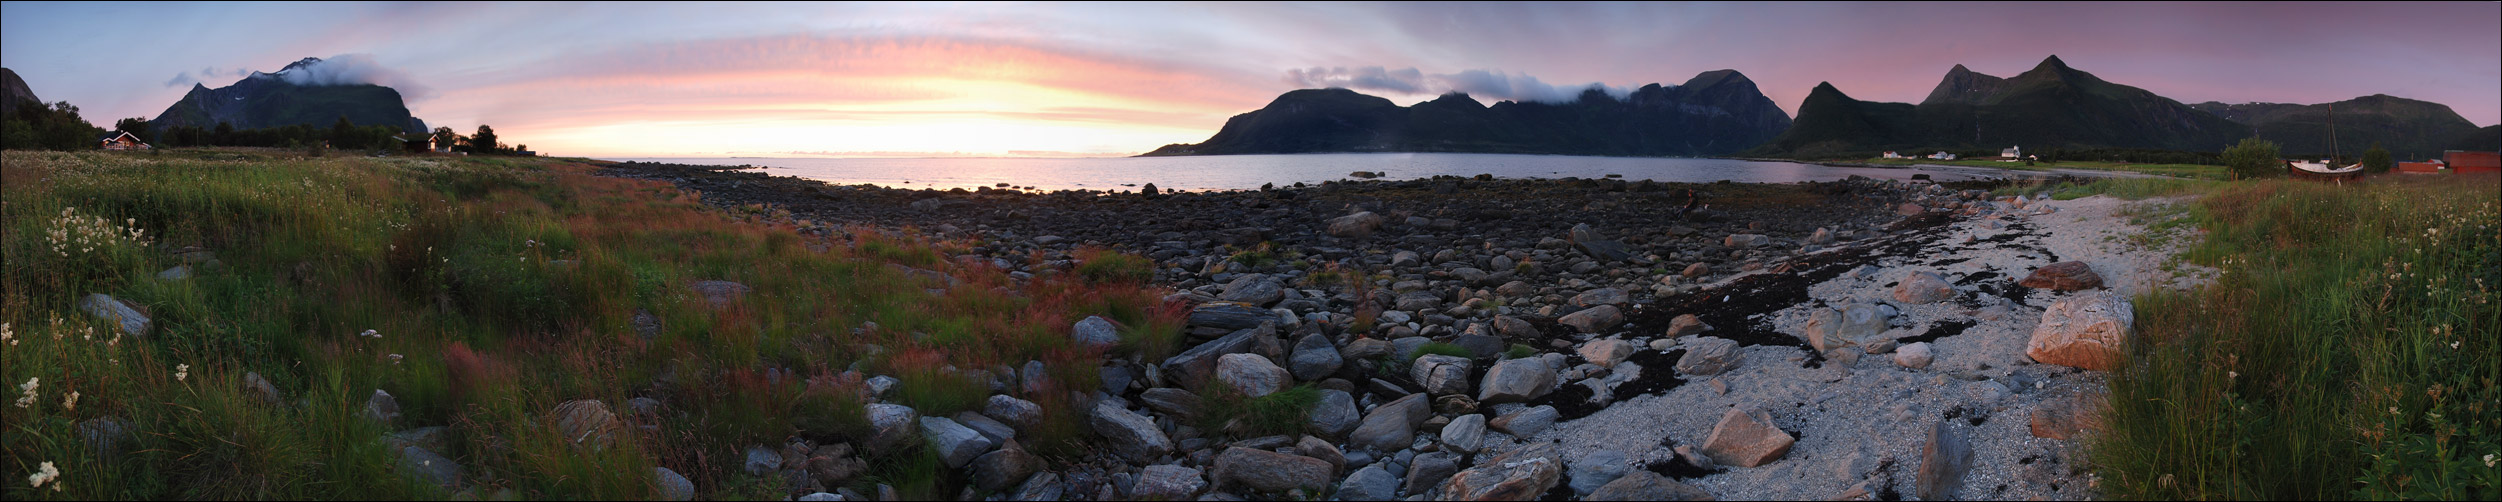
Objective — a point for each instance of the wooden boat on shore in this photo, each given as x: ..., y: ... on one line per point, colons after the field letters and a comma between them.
x: 2322, y: 171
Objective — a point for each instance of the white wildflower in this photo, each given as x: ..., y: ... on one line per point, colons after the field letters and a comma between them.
x: 370, y: 334
x: 181, y: 371
x: 2232, y: 374
x: 395, y: 358
x: 70, y: 403
x: 29, y: 388
x: 45, y: 474
x: 2490, y: 459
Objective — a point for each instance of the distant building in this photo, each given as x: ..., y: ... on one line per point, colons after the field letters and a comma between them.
x: 525, y: 153
x: 121, y: 141
x: 2012, y: 152
x: 417, y: 143
x: 1942, y: 156
x: 2466, y: 162
x: 2434, y: 166
x: 1892, y: 155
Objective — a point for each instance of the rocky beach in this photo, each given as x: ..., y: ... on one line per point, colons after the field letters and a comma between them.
x: 1599, y: 339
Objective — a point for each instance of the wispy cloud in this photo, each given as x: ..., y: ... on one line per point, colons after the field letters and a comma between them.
x: 1483, y: 84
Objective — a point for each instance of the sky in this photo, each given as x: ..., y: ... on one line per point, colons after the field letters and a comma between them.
x: 1096, y: 79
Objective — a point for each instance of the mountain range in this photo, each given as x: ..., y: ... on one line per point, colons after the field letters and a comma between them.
x: 2049, y: 106
x: 2408, y: 128
x: 1715, y: 113
x: 272, y: 100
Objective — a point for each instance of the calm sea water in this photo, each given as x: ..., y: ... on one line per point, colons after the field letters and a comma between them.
x: 1250, y: 171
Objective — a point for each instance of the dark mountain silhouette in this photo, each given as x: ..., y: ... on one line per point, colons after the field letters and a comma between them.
x: 2408, y: 128
x: 2050, y: 106
x: 269, y: 100
x: 13, y: 91
x: 1715, y: 113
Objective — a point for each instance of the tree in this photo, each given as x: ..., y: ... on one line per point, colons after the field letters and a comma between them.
x: 136, y: 126
x: 483, y: 141
x: 2254, y: 158
x: 444, y: 137
x: 523, y: 148
x: 2376, y: 160
x: 224, y: 135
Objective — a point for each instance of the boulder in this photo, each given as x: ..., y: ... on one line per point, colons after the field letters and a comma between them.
x: 1944, y: 459
x: 1857, y: 324
x: 1018, y: 413
x: 1528, y: 421
x: 1199, y: 364
x: 1820, y: 237
x: 1391, y: 426
x: 1441, y: 374
x: 1253, y: 289
x: 1923, y: 287
x: 1597, y: 319
x: 1178, y: 403
x: 1252, y: 374
x: 1695, y: 270
x: 429, y: 467
x: 124, y: 317
x: 1315, y: 447
x: 1132, y: 436
x: 1513, y: 327
x: 1335, y: 414
x: 761, y: 461
x: 1606, y: 352
x: 1006, y: 467
x: 2063, y: 276
x: 1746, y: 439
x: 1597, y: 469
x: 1168, y: 482
x: 1428, y: 471
x: 1521, y: 474
x: 890, y: 426
x: 673, y: 486
x: 1270, y: 472
x: 1709, y: 355
x: 1095, y: 333
x: 106, y: 437
x: 1356, y: 226
x: 1043, y: 486
x: 1746, y: 241
x: 834, y: 464
x: 1229, y: 315
x: 1373, y: 482
x: 587, y: 422
x: 1601, y: 296
x: 1915, y: 356
x: 1686, y: 324
x: 1597, y: 246
x: 1314, y: 358
x: 1366, y: 348
x: 721, y: 293
x: 1647, y: 485
x: 1909, y: 209
x: 382, y: 408
x: 1465, y: 434
x: 955, y: 443
x: 2084, y: 331
x: 1515, y: 380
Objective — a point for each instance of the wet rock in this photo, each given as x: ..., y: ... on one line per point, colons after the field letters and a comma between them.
x: 1527, y: 422
x: 721, y: 293
x: 891, y: 426
x: 1252, y: 374
x: 2083, y: 331
x: 1355, y: 226
x: 1606, y: 352
x: 1270, y: 472
x: 2063, y: 276
x: 672, y: 485
x: 956, y: 444
x: 1005, y: 468
x: 1314, y: 358
x: 1130, y: 435
x: 1465, y: 434
x: 1914, y: 356
x: 1441, y: 374
x: 1597, y: 246
x: 1521, y: 474
x: 1229, y: 315
x: 1923, y: 287
x: 1647, y: 485
x: 1746, y: 439
x: 1597, y: 469
x: 1168, y: 482
x: 1597, y: 319
x: 122, y: 315
x: 1096, y: 332
x: 1515, y: 380
x: 1335, y: 414
x: 1707, y: 355
x: 1944, y: 459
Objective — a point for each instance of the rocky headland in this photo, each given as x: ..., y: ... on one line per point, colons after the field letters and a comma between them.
x: 1613, y: 340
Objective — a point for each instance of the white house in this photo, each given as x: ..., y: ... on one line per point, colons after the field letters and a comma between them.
x: 2012, y: 152
x: 1941, y: 155
x: 1892, y: 155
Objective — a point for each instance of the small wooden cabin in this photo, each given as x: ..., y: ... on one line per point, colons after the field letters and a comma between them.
x: 121, y: 140
x: 417, y: 143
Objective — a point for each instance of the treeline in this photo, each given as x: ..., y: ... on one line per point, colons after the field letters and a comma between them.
x: 2128, y: 155
x: 36, y: 126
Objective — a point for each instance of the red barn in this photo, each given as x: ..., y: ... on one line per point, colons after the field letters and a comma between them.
x: 121, y: 141
x: 2466, y: 162
x: 2425, y: 167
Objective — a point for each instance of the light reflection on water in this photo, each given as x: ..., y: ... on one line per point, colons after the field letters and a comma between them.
x: 1250, y: 171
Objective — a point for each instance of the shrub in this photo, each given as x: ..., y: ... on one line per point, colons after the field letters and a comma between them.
x: 1104, y: 266
x: 2254, y: 158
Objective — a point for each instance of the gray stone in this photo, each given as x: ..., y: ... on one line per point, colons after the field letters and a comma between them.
x: 1429, y: 471
x: 429, y: 467
x: 673, y: 486
x: 1746, y: 241
x: 1366, y: 348
x: 1597, y: 469
x: 1512, y: 327
x: 1515, y: 380
x: 1116, y: 379
x: 1004, y: 468
x: 429, y: 438
x: 1746, y: 439
x: 1314, y: 358
x: 1252, y: 374
x: 1391, y: 426
x: 179, y: 272
x: 1254, y: 289
x: 1168, y: 482
x: 645, y: 324
x: 1601, y: 296
x: 1199, y: 363
x: 1923, y: 287
x: 1528, y: 421
x: 1915, y: 356
x: 1017, y: 413
x: 1229, y: 315
x: 1606, y: 352
x: 1441, y: 374
x: 1707, y: 355
x: 382, y: 408
x: 1521, y: 474
x: 1480, y: 346
x: 1369, y: 483
x: 105, y: 437
x: 587, y: 422
x: 1591, y: 243
x: 1356, y: 226
x: 1944, y: 459
x: 1132, y: 436
x: 122, y: 315
x: 1335, y: 414
x: 1095, y: 332
x: 997, y: 432
x: 1465, y: 434
x: 891, y: 426
x: 1646, y: 485
x: 821, y: 497
x: 1268, y: 471
x: 761, y: 460
x: 1597, y: 319
x: 1857, y: 324
x: 1180, y: 404
x: 1042, y: 486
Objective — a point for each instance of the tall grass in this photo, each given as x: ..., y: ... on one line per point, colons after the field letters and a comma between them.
x: 499, y: 288
x: 2348, y: 350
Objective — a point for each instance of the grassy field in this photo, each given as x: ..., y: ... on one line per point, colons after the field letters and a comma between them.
x: 481, y: 293
x: 2351, y: 349
x: 2175, y: 170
